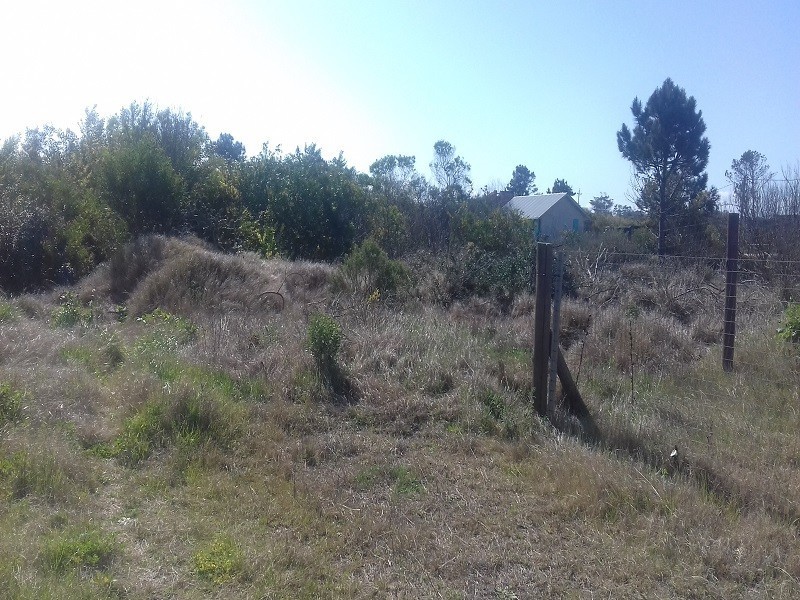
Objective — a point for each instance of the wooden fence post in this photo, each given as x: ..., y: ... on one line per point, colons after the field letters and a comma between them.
x: 541, y: 325
x: 731, y: 276
x: 558, y: 277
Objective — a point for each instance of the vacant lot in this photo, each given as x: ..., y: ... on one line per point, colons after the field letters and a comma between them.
x: 185, y: 424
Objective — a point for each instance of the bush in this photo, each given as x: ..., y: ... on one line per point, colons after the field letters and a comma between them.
x: 790, y: 331
x: 71, y: 312
x: 324, y: 341
x: 368, y: 269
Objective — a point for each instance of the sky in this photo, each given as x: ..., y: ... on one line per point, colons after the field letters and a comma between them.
x: 543, y: 84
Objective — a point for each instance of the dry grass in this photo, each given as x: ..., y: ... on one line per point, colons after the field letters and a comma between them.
x: 433, y: 480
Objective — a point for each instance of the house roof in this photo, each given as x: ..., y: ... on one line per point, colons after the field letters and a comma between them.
x: 533, y: 207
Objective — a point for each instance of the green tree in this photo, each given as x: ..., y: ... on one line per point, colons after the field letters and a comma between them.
x: 602, y: 204
x: 522, y: 182
x: 560, y: 186
x: 669, y: 154
x: 451, y: 172
x: 228, y: 148
x: 749, y: 175
x: 140, y: 184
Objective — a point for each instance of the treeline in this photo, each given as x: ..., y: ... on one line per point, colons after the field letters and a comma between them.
x: 69, y: 200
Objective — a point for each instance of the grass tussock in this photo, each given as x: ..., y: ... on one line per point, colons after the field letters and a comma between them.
x: 183, y: 423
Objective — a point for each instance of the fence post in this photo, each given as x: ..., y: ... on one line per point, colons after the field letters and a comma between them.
x: 558, y: 276
x: 541, y: 325
x: 731, y: 276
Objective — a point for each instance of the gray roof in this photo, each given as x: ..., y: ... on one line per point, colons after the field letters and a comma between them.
x: 533, y: 207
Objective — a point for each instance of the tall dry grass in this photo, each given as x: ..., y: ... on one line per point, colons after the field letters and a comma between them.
x: 436, y: 479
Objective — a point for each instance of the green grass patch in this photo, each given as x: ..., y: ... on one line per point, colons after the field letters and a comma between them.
x: 71, y: 312
x: 220, y: 562
x: 10, y: 404
x: 73, y: 549
x: 8, y: 313
x: 23, y: 474
x: 188, y: 418
x: 400, y: 478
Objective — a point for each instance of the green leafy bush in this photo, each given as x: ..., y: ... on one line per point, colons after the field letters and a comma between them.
x: 790, y: 330
x: 368, y: 269
x: 324, y: 341
x: 71, y: 312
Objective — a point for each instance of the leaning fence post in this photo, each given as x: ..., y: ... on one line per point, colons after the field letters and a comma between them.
x: 731, y: 275
x: 541, y: 325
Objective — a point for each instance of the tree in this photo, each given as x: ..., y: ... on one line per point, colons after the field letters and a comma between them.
x: 561, y: 186
x: 450, y: 171
x: 668, y: 152
x: 228, y: 148
x: 521, y: 183
x: 601, y: 204
x: 749, y: 175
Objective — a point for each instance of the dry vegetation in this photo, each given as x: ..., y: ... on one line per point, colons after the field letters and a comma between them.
x: 168, y: 432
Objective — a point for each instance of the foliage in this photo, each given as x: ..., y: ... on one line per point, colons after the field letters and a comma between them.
x: 790, y: 329
x: 495, y: 255
x: 187, y: 417
x: 749, y: 175
x: 10, y: 404
x: 669, y: 154
x: 601, y: 204
x: 219, y: 562
x: 368, y: 269
x: 522, y: 182
x: 71, y: 312
x: 324, y: 341
x: 140, y: 184
x: 450, y: 171
x: 80, y: 549
x: 560, y: 186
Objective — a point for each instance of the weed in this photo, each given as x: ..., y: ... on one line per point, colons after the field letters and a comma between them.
x: 493, y: 403
x: 220, y: 562
x: 10, y: 404
x: 73, y: 549
x: 324, y: 341
x: 405, y: 482
x: 7, y: 312
x: 71, y: 312
x: 790, y: 330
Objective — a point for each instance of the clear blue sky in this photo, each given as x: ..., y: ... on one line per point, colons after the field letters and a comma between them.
x: 544, y: 84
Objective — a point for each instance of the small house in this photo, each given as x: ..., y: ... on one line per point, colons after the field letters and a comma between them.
x: 553, y: 214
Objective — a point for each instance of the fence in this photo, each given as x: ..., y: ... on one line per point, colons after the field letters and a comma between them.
x: 639, y: 314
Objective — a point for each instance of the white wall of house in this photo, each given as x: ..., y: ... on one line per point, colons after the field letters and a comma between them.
x: 562, y: 217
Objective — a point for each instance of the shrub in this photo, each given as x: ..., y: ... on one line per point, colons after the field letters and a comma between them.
x: 790, y: 331
x: 324, y: 341
x: 10, y: 404
x: 368, y: 269
x: 71, y: 312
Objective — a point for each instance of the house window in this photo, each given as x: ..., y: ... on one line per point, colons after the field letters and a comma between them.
x: 575, y: 225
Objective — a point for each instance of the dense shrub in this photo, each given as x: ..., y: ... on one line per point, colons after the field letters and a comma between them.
x: 368, y: 269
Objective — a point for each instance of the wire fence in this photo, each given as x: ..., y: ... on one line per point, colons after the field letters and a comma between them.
x: 634, y: 316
